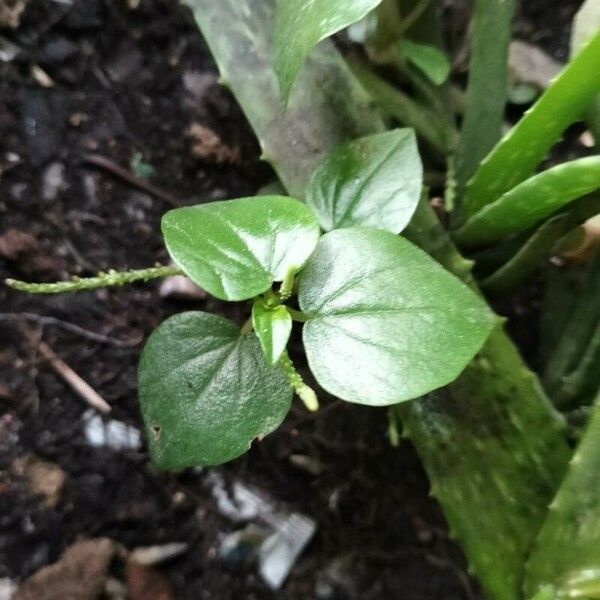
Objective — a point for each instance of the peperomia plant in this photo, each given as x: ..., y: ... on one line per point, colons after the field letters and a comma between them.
x: 382, y: 322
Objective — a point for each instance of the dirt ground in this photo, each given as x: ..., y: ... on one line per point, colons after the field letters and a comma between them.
x: 96, y: 81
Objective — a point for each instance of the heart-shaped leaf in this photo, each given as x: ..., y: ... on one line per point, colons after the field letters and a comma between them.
x: 300, y: 25
x: 236, y: 249
x: 272, y: 326
x: 386, y: 322
x: 373, y: 181
x: 206, y: 391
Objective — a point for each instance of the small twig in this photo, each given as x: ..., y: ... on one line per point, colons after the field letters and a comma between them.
x: 62, y: 369
x: 54, y: 322
x: 114, y: 169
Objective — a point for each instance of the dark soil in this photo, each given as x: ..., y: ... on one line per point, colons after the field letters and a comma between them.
x: 128, y: 85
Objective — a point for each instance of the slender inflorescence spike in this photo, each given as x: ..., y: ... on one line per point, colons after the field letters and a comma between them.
x: 304, y: 392
x: 77, y: 284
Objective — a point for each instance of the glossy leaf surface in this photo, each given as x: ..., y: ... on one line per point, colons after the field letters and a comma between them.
x: 273, y: 326
x: 374, y: 181
x: 206, y: 391
x: 236, y: 249
x: 386, y: 322
x: 514, y: 159
x: 531, y: 201
x: 301, y: 24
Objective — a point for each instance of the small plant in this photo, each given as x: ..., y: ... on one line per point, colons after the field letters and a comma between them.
x: 382, y: 322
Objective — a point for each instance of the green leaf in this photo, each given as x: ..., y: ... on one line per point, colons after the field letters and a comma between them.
x: 531, y: 201
x: 273, y: 326
x: 301, y: 24
x: 431, y: 61
x: 206, y: 391
x: 487, y: 89
x: 386, y: 322
x: 585, y: 25
x: 514, y: 159
x: 567, y: 551
x: 374, y: 181
x: 236, y: 249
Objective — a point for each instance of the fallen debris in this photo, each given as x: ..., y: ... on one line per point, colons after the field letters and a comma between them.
x: 14, y: 243
x: 146, y: 583
x: 80, y: 573
x: 44, y: 478
x: 11, y: 12
x: 208, y: 146
x: 78, y: 385
x: 154, y: 555
x: 113, y: 434
x: 180, y: 287
x: 275, y: 538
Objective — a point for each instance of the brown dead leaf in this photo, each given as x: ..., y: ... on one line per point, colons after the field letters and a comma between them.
x: 14, y: 242
x: 80, y: 574
x: 208, y: 146
x: 44, y: 478
x: 146, y: 583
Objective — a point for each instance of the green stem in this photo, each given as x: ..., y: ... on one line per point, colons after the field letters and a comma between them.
x: 414, y: 15
x: 304, y: 392
x: 298, y: 315
x: 110, y: 279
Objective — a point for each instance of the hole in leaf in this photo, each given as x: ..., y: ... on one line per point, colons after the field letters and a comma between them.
x: 155, y: 432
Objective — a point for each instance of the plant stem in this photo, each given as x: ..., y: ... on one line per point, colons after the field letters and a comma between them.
x: 298, y: 315
x: 110, y: 279
x: 304, y: 392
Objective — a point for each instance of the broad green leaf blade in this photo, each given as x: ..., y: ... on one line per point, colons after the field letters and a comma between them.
x: 273, y: 326
x: 374, y: 181
x: 206, y: 392
x: 301, y: 24
x: 386, y: 322
x: 514, y: 159
x: 567, y: 550
x: 531, y: 201
x: 487, y: 90
x: 431, y: 61
x: 236, y: 249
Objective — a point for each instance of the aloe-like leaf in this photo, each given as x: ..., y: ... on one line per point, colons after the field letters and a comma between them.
x: 428, y: 59
x: 538, y: 248
x: 567, y: 550
x: 273, y: 326
x: 236, y: 249
x: 531, y: 201
x: 385, y: 322
x: 487, y: 89
x: 585, y: 25
x: 374, y: 181
x: 514, y: 159
x: 206, y: 391
x: 301, y: 24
